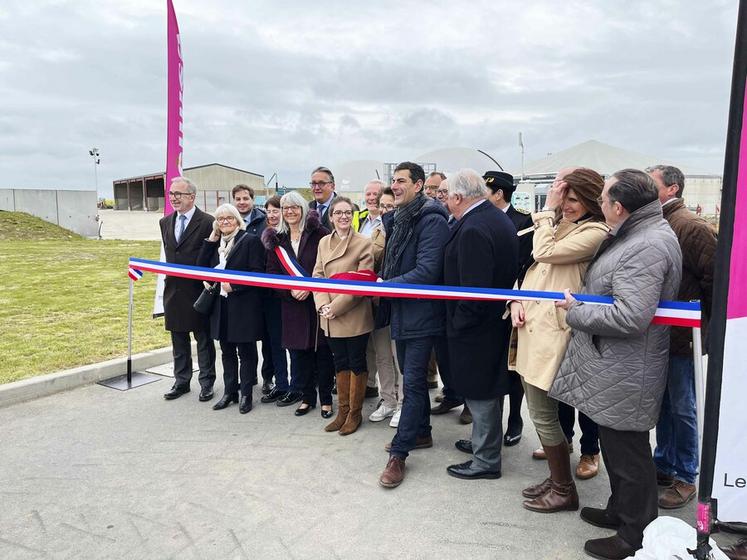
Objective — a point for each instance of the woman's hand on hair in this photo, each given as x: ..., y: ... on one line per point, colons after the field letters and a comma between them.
x: 556, y: 194
x: 517, y: 314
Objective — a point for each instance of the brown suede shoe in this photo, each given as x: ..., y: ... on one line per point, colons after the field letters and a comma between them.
x: 677, y: 495
x: 393, y: 474
x: 420, y: 443
x: 539, y: 454
x: 588, y: 467
x: 737, y: 551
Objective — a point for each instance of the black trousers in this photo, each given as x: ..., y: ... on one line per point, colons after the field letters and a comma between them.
x: 589, y: 428
x: 632, y: 474
x: 182, y: 351
x: 350, y: 353
x: 315, y: 368
x: 239, y: 372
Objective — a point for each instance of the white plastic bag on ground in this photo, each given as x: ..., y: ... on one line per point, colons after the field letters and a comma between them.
x: 668, y: 538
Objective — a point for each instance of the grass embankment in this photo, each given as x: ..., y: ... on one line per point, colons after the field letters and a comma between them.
x: 63, y: 301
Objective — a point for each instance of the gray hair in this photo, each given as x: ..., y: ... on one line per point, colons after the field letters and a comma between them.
x: 379, y: 182
x: 191, y: 187
x: 293, y: 198
x: 671, y: 175
x: 468, y: 183
x: 224, y: 209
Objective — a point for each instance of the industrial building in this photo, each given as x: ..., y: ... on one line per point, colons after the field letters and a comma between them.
x: 214, y: 183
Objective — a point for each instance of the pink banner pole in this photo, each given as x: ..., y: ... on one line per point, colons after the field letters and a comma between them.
x: 174, y: 134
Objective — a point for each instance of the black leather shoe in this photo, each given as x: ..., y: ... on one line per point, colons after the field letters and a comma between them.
x: 445, y: 406
x: 304, y: 411
x: 327, y: 413
x: 464, y: 445
x: 246, y: 404
x: 273, y: 395
x: 267, y: 387
x: 465, y: 471
x: 599, y: 518
x: 609, y: 548
x: 510, y: 441
x: 288, y: 399
x: 205, y: 394
x: 225, y: 400
x: 175, y: 393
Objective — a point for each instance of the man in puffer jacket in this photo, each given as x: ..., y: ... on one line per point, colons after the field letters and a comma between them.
x: 615, y: 367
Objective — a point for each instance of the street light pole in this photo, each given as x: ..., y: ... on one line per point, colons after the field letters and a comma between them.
x: 96, y: 155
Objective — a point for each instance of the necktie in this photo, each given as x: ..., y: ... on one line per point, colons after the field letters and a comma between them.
x: 182, y: 227
x: 322, y: 210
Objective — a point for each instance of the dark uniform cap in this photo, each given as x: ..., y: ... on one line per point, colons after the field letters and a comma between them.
x: 499, y: 180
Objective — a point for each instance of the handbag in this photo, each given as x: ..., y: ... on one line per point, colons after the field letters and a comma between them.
x: 206, y: 300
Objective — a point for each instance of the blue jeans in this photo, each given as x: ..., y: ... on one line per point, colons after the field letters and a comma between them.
x: 413, y: 355
x: 676, y: 451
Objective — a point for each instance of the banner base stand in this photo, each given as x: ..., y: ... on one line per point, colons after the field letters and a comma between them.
x: 126, y: 381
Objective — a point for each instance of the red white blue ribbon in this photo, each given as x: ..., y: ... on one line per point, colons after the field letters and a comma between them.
x: 674, y: 313
x: 134, y: 274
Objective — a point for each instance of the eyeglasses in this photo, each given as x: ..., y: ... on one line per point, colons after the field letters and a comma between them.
x: 177, y: 194
x: 319, y: 183
x: 443, y: 192
x: 225, y: 219
x: 346, y: 213
x: 387, y: 207
x: 290, y: 208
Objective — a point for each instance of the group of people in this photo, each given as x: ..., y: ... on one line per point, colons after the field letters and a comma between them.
x: 629, y: 236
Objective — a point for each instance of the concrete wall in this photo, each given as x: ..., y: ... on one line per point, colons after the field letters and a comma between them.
x: 73, y: 210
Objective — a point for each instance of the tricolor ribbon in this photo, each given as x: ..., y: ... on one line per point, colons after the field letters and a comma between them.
x: 134, y: 274
x: 674, y: 313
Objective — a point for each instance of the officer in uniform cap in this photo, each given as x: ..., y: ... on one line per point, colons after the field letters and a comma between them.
x: 501, y: 185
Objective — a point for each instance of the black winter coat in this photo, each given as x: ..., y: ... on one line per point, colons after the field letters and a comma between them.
x: 522, y: 221
x: 179, y: 294
x: 240, y: 314
x: 481, y: 252
x: 301, y: 330
x: 421, y: 263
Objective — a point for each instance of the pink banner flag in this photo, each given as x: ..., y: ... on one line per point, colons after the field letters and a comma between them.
x: 174, y: 136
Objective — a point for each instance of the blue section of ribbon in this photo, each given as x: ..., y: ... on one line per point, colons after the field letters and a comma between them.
x: 514, y: 294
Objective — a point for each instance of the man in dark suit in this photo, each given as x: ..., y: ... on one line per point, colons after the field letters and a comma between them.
x: 501, y: 187
x: 481, y: 252
x: 182, y: 233
x: 323, y: 188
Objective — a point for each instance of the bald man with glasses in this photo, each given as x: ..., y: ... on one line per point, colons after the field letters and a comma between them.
x: 182, y: 233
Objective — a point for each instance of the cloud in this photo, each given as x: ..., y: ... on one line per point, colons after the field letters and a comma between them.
x: 282, y: 86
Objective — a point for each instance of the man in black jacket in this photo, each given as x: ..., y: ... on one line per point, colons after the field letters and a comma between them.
x: 501, y: 187
x: 415, y: 236
x: 182, y: 233
x: 481, y: 252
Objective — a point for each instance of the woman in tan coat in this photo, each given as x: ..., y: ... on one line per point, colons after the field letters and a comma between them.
x: 567, y: 234
x: 346, y: 320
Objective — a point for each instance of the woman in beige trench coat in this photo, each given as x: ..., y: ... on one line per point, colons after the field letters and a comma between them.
x: 567, y: 234
x: 346, y: 320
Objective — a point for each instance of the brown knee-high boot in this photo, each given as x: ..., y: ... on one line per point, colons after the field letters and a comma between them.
x: 561, y: 495
x: 343, y: 401
x: 357, y: 394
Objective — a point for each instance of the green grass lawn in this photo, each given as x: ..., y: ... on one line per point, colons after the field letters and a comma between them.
x: 63, y: 301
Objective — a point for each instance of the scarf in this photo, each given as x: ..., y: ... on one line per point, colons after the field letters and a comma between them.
x: 402, y: 231
x: 225, y: 246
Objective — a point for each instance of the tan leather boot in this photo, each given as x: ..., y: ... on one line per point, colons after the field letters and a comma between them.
x: 561, y: 496
x: 536, y: 490
x: 357, y: 394
x: 343, y: 401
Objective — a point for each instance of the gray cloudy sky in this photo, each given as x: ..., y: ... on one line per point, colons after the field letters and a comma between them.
x: 285, y: 86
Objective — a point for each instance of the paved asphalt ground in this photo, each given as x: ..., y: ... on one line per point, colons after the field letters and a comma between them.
x: 96, y: 473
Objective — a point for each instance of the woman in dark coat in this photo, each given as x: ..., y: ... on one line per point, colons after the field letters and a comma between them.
x: 236, y: 319
x: 299, y: 234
